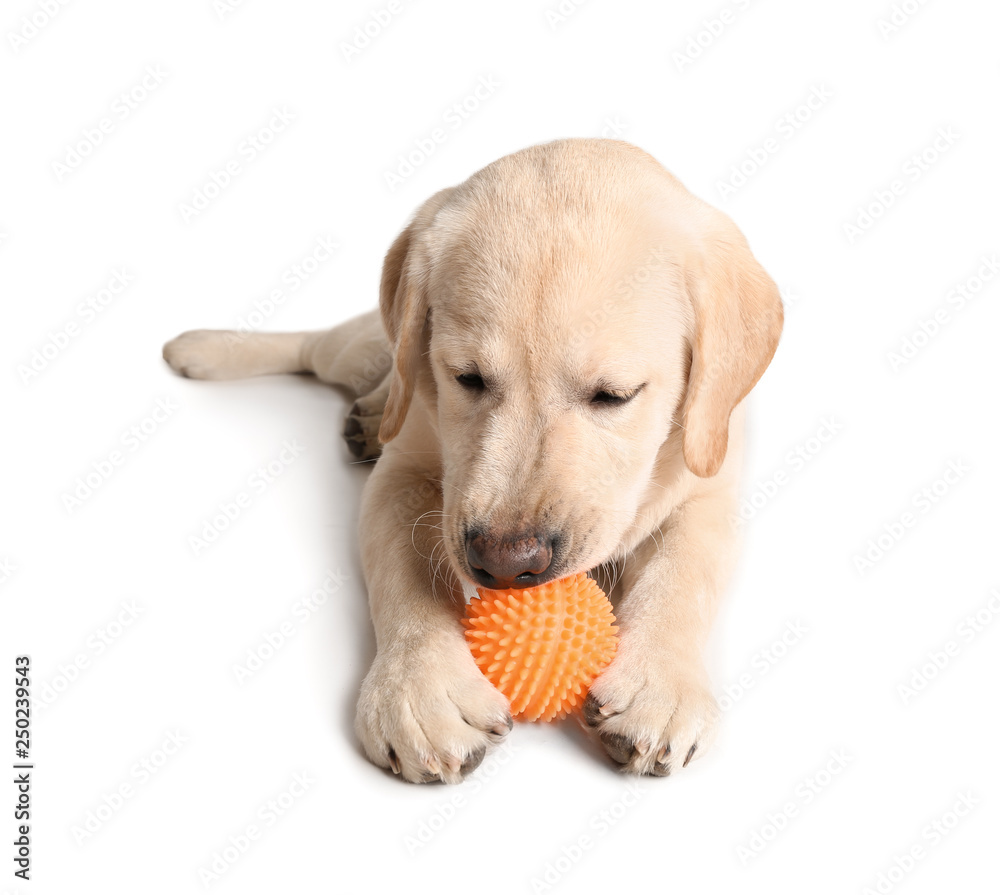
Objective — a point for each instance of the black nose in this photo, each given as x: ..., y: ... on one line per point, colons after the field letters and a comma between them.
x: 500, y: 562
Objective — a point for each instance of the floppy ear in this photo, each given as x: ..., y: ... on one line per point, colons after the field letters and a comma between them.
x: 738, y: 318
x: 404, y: 306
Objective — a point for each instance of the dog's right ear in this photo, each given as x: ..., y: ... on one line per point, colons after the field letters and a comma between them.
x: 404, y: 305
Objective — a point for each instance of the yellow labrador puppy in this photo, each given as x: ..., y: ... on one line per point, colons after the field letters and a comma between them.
x: 556, y: 377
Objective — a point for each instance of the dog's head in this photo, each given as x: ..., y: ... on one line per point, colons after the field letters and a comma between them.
x: 566, y: 314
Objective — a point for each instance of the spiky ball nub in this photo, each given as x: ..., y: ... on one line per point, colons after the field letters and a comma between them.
x: 543, y: 646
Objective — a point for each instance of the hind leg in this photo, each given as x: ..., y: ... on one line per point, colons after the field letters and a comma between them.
x: 227, y: 354
x: 354, y: 354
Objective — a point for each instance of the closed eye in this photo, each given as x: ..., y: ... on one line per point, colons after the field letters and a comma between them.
x: 613, y: 397
x: 471, y: 381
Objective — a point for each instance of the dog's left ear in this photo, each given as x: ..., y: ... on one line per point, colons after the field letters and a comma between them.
x: 738, y: 319
x: 404, y: 305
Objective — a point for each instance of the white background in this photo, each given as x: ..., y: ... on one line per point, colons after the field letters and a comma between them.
x: 853, y: 298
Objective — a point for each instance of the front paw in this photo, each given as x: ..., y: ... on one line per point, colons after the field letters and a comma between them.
x: 653, y: 713
x: 362, y: 425
x: 429, y: 713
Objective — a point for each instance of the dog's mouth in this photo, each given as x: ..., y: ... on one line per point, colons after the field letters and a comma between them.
x: 483, y: 579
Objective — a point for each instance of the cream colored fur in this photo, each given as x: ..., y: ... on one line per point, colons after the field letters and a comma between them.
x: 556, y: 272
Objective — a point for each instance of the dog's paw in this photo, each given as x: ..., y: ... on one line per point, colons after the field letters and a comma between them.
x: 652, y: 714
x: 429, y: 713
x: 204, y: 354
x: 362, y: 425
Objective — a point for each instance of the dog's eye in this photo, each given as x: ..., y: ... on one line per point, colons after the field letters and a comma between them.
x: 472, y: 381
x: 604, y: 398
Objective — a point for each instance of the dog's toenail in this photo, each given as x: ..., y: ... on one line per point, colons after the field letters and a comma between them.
x: 474, y: 760
x: 617, y: 746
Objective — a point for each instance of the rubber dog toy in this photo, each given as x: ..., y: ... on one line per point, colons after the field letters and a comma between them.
x: 543, y: 646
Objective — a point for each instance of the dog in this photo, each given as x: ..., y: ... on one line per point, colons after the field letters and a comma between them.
x: 554, y: 382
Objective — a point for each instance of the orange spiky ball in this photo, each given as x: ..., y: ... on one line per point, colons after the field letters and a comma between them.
x: 542, y: 646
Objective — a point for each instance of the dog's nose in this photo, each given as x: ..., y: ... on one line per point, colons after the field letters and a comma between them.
x: 508, y: 561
